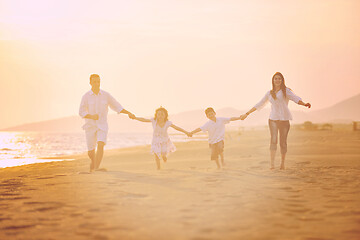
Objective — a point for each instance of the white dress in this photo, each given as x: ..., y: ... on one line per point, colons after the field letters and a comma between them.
x: 161, y: 143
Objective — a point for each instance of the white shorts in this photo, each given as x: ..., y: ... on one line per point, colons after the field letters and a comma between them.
x: 93, y: 136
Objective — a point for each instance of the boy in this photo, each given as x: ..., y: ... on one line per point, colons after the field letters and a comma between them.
x: 216, y: 129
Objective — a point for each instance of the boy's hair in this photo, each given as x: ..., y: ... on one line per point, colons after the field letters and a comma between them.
x: 94, y: 76
x: 165, y: 112
x: 209, y: 109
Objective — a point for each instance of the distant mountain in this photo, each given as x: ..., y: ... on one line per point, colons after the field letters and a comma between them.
x: 342, y: 112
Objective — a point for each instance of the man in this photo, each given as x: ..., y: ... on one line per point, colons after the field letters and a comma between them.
x: 94, y: 109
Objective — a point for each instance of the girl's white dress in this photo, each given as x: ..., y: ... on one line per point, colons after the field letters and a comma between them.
x: 161, y: 143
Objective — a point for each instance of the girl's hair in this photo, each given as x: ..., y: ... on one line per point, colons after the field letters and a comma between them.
x: 282, y: 86
x: 165, y: 112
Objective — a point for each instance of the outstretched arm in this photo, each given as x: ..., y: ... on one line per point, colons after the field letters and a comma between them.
x: 140, y: 119
x: 242, y: 117
x: 93, y: 117
x: 235, y: 118
x: 180, y: 130
x: 195, y: 131
x: 304, y: 104
x: 131, y: 115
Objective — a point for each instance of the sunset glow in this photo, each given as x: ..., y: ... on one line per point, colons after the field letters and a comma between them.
x: 179, y: 54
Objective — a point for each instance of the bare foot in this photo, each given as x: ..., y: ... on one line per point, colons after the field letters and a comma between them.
x: 282, y: 167
x: 101, y: 170
x: 164, y: 158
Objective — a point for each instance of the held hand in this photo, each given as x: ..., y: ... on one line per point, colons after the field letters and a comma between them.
x: 242, y: 117
x: 189, y: 134
x: 95, y: 117
x: 131, y: 116
x: 307, y: 105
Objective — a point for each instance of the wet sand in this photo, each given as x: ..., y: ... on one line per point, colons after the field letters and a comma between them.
x: 317, y: 197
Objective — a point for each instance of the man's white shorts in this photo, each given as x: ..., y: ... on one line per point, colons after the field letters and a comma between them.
x: 93, y: 136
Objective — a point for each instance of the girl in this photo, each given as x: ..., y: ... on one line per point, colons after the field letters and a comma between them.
x: 161, y: 144
x: 280, y: 115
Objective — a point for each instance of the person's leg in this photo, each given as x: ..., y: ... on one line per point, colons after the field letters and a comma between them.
x: 215, y: 154
x: 221, y: 152
x: 91, y: 145
x: 91, y: 155
x: 217, y: 163
x: 272, y: 158
x: 157, y: 160
x: 284, y: 128
x: 273, y: 141
x: 222, y: 159
x: 99, y: 154
x: 163, y: 155
x: 101, y: 141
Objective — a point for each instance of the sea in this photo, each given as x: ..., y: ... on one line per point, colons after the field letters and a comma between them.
x: 22, y: 148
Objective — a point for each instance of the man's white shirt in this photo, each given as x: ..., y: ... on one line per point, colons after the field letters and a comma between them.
x: 92, y: 103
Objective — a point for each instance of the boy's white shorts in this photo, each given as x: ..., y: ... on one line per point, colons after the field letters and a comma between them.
x: 93, y: 136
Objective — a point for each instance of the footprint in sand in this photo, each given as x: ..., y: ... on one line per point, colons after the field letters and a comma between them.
x: 44, y: 206
x: 303, y: 163
x: 45, y: 177
x: 5, y: 218
x: 310, y: 219
x: 18, y: 227
x: 298, y: 210
x: 14, y: 198
x: 207, y: 230
x: 135, y: 195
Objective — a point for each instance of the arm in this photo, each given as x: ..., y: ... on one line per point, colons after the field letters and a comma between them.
x: 131, y: 115
x: 258, y: 106
x: 235, y: 118
x: 304, y: 104
x: 242, y: 117
x: 93, y: 117
x: 83, y: 111
x: 195, y: 131
x: 180, y: 130
x: 141, y: 119
x: 296, y: 98
x: 116, y: 106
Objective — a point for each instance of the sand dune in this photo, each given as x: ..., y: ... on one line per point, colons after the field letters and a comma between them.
x: 316, y: 197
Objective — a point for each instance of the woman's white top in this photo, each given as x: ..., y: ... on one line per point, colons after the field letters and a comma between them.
x: 279, y: 106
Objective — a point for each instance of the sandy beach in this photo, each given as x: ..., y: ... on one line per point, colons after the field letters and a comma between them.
x: 317, y: 197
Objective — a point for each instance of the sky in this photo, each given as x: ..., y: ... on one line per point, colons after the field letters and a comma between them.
x: 180, y: 54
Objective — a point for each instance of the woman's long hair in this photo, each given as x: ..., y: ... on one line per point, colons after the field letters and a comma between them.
x: 165, y: 112
x: 282, y: 86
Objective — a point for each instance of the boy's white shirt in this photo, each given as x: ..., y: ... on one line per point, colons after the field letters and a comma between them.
x: 216, y: 129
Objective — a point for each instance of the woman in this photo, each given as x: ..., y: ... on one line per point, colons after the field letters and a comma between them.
x: 280, y: 115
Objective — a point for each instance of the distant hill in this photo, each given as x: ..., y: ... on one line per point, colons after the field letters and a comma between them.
x: 342, y: 112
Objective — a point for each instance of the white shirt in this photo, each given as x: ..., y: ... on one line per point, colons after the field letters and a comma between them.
x: 216, y: 129
x: 279, y: 106
x: 98, y: 104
